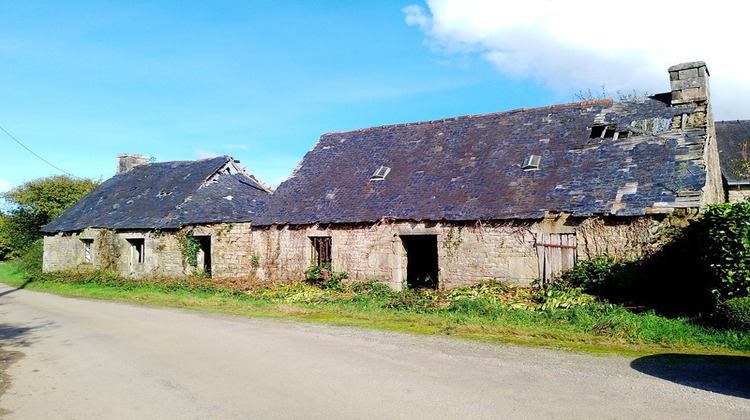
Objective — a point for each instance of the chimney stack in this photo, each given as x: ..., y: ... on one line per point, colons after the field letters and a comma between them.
x: 128, y: 161
x: 689, y: 82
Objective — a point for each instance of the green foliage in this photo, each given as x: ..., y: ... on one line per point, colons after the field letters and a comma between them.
x: 31, y: 261
x: 735, y: 313
x: 469, y: 311
x: 552, y: 298
x: 33, y: 205
x: 49, y: 197
x: 189, y: 247
x: 727, y: 250
x: 589, y: 273
x: 602, y: 275
x: 323, y: 276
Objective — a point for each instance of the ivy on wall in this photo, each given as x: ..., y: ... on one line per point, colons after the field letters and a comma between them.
x: 189, y: 247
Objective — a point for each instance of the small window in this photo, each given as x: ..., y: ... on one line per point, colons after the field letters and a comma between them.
x: 381, y: 173
x: 531, y: 162
x: 87, y: 250
x: 321, y: 250
x: 137, y: 250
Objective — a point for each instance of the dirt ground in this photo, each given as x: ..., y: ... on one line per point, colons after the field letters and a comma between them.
x: 7, y: 358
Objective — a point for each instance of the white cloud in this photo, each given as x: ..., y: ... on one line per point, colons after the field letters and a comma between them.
x: 579, y: 44
x: 205, y: 154
x: 5, y: 186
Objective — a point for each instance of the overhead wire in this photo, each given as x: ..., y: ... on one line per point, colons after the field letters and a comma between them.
x: 33, y: 153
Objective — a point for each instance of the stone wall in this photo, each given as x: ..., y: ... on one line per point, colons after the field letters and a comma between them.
x: 737, y: 193
x: 141, y: 253
x: 467, y: 253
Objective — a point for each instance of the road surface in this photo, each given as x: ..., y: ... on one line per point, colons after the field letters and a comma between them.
x: 88, y: 359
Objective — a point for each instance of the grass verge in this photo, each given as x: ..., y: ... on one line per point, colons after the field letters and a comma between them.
x: 492, y: 312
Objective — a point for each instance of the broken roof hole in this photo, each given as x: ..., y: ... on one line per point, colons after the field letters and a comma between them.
x: 531, y: 162
x: 380, y: 173
x: 602, y: 131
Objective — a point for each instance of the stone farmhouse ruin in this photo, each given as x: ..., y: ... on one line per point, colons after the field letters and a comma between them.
x: 514, y: 196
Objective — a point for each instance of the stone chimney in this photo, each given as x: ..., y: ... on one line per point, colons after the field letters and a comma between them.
x: 689, y: 83
x: 690, y: 90
x: 128, y: 161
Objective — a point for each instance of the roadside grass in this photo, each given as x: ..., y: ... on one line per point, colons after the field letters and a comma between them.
x: 490, y: 311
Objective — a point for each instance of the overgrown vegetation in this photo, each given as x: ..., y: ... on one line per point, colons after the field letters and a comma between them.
x: 735, y: 313
x: 324, y: 277
x: 727, y: 250
x: 490, y: 310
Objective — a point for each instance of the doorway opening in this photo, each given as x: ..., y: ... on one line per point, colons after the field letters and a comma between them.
x: 421, y: 261
x: 204, y: 255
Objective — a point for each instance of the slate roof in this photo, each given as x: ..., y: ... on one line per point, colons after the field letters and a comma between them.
x: 730, y: 136
x: 470, y: 168
x: 167, y: 195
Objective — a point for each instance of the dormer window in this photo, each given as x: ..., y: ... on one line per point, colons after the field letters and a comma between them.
x: 531, y: 163
x: 380, y: 173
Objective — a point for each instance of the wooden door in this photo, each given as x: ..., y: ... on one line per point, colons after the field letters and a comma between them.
x: 556, y: 252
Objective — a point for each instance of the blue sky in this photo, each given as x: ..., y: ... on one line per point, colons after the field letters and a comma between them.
x: 82, y: 81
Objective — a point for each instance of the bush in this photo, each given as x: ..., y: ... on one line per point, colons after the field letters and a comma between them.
x: 325, y: 278
x: 735, y: 313
x: 31, y: 260
x: 728, y: 248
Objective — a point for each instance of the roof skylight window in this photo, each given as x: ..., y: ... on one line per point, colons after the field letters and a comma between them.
x: 380, y: 173
x: 531, y: 162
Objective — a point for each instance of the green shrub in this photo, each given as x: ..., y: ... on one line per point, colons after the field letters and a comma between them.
x: 588, y: 274
x: 31, y: 260
x: 735, y: 313
x: 728, y: 248
x: 324, y: 277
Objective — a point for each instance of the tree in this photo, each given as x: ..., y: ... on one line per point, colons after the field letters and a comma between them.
x: 33, y: 205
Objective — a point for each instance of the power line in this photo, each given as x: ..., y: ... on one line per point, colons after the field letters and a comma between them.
x: 32, y: 152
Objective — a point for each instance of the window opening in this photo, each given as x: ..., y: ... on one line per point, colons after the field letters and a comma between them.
x: 87, y: 252
x: 531, y: 162
x: 380, y: 173
x: 137, y: 250
x: 321, y: 248
x: 421, y: 261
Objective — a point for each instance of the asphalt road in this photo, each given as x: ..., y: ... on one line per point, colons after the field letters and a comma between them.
x: 85, y: 359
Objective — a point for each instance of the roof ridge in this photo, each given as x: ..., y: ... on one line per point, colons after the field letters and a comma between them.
x: 463, y: 117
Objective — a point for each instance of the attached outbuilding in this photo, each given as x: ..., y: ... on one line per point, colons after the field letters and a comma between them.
x: 164, y: 219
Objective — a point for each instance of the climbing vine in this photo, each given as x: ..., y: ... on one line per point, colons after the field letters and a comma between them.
x: 453, y: 240
x: 189, y: 247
